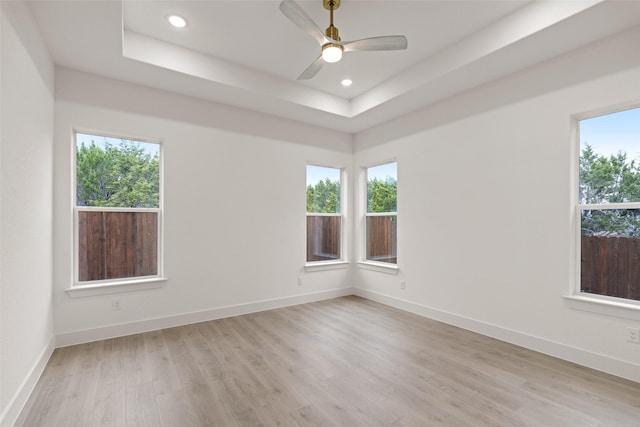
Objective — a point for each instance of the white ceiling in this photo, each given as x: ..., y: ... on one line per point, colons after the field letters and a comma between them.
x: 245, y: 53
x: 261, y: 38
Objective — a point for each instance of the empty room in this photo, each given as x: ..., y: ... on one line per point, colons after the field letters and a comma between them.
x: 320, y: 213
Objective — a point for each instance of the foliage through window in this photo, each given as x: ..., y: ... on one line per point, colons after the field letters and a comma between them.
x: 381, y: 216
x: 609, y: 204
x: 324, y: 214
x: 117, y: 209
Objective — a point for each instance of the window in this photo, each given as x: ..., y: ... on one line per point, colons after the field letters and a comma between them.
x: 381, y: 216
x: 609, y: 204
x: 117, y: 209
x: 324, y: 214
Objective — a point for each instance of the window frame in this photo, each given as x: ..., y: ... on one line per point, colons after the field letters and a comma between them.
x: 576, y: 298
x: 363, y: 261
x: 341, y: 262
x: 108, y: 286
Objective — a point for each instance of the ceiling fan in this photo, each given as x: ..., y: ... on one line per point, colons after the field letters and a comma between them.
x: 332, y: 46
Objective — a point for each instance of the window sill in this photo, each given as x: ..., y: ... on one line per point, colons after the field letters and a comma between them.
x: 603, y: 305
x: 115, y: 287
x: 382, y: 267
x: 325, y: 265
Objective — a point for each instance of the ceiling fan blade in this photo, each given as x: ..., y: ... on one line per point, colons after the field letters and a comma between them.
x: 294, y: 12
x: 376, y: 43
x: 312, y: 69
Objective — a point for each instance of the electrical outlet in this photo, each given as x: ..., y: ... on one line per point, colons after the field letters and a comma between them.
x: 402, y: 284
x: 115, y: 304
x: 299, y: 281
x: 633, y: 335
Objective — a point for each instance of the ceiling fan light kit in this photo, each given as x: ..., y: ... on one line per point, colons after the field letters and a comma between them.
x: 332, y: 47
x: 331, y: 52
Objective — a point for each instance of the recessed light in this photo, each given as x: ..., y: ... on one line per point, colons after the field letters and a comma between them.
x: 346, y: 82
x: 177, y: 21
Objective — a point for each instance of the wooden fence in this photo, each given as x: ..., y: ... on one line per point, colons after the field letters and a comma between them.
x: 114, y: 245
x: 382, y: 242
x: 323, y: 238
x: 611, y: 266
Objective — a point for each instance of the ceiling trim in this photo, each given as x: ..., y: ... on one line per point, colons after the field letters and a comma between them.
x: 186, y: 61
x: 532, y: 18
x: 524, y: 22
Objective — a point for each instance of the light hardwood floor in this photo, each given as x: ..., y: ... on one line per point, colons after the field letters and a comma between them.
x: 343, y: 362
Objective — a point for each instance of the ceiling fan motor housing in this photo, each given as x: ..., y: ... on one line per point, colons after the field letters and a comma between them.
x: 332, y: 32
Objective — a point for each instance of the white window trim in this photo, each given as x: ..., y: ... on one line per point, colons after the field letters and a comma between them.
x: 363, y: 262
x: 103, y: 287
x: 381, y: 214
x: 342, y: 262
x: 576, y: 299
x: 610, y: 306
x: 112, y: 286
x: 382, y: 267
x: 326, y: 265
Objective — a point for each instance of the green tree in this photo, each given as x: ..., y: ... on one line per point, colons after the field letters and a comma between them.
x: 382, y: 195
x: 603, y: 180
x: 117, y: 176
x: 324, y: 197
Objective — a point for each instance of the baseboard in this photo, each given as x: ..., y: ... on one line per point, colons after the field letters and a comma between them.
x: 123, y: 329
x: 16, y: 404
x: 582, y: 357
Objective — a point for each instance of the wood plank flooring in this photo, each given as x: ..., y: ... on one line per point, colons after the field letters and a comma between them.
x: 342, y: 362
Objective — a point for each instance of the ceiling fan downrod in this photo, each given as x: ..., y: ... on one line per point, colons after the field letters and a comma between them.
x: 331, y: 31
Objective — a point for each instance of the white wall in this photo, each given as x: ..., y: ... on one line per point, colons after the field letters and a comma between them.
x: 485, y: 231
x: 475, y: 250
x: 26, y: 322
x: 485, y: 210
x: 234, y: 207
